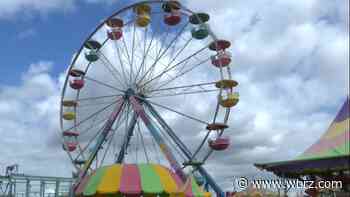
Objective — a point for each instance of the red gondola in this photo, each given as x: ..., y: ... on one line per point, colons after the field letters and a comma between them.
x: 115, y: 31
x: 219, y: 143
x: 77, y: 84
x: 219, y: 45
x: 70, y: 134
x: 222, y: 59
x: 70, y: 146
x: 172, y: 18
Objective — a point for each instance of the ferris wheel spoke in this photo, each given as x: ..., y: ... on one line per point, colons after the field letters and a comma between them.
x: 145, y: 52
x: 128, y: 57
x: 158, y: 54
x: 98, y: 97
x: 83, y: 150
x: 106, y: 129
x: 92, y: 115
x: 182, y: 90
x: 199, y: 147
x: 183, y: 87
x: 126, y: 119
x: 128, y: 134
x: 164, y: 51
x: 160, y: 84
x: 181, y: 73
x: 175, y: 111
x: 109, y: 139
x: 177, y: 53
x: 142, y: 141
x: 176, y: 65
x: 184, y: 93
x: 103, y: 83
x: 98, y: 132
x: 180, y: 51
x: 93, y: 125
x: 122, y: 65
x: 139, y: 46
x: 111, y: 68
x: 95, y: 104
x: 132, y: 52
x: 101, y: 129
x: 151, y: 57
x: 167, y: 138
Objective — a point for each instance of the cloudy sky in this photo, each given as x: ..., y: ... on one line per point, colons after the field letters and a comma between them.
x: 290, y: 57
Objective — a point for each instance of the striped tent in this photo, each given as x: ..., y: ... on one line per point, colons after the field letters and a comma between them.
x: 331, y: 153
x: 134, y: 180
x: 335, y: 141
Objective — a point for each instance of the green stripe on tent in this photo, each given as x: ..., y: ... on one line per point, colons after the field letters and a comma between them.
x: 341, y: 150
x: 150, y: 180
x: 94, y: 181
x: 195, y: 188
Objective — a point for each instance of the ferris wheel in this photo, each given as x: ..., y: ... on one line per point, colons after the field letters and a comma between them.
x: 132, y: 79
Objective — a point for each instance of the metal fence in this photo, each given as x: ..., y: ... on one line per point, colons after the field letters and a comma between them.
x: 21, y: 185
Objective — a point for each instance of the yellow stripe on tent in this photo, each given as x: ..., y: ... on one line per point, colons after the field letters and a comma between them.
x: 337, y: 128
x: 168, y: 183
x: 110, y: 183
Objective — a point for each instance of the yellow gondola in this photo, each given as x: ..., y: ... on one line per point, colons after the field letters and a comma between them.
x: 69, y: 115
x: 69, y: 103
x: 226, y: 84
x: 230, y: 100
x: 143, y: 15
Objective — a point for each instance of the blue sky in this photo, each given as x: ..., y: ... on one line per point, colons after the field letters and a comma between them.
x: 53, y: 36
x: 292, y: 64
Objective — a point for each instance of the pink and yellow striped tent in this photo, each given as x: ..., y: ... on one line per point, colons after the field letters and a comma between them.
x: 133, y: 180
x: 331, y: 153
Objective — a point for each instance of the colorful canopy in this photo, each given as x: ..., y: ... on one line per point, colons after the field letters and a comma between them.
x: 335, y: 141
x: 136, y: 180
x: 330, y: 153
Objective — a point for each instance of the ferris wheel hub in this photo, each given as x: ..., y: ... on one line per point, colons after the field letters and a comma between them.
x: 129, y: 92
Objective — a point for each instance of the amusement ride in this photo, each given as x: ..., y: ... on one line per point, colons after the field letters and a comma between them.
x: 126, y: 88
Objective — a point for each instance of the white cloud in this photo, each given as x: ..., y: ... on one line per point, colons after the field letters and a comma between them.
x: 290, y: 57
x: 9, y: 8
x: 29, y: 120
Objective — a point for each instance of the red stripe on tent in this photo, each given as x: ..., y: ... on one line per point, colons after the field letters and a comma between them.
x: 327, y: 144
x: 130, y: 184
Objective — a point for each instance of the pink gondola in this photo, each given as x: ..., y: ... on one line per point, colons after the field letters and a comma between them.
x: 70, y: 146
x: 77, y: 84
x: 222, y: 59
x: 172, y: 18
x: 70, y: 134
x: 219, y: 143
x: 115, y: 31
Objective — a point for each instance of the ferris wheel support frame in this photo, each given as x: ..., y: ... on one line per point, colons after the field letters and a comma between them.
x: 101, y: 139
x: 127, y: 138
x: 184, y: 149
x: 139, y: 109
